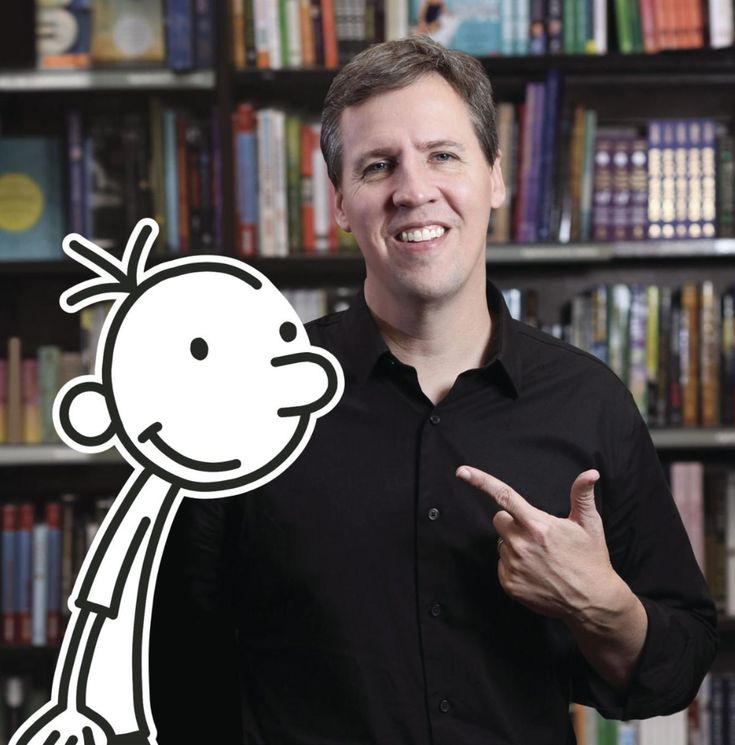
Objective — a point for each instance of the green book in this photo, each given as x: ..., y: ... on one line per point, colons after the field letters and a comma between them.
x: 293, y: 183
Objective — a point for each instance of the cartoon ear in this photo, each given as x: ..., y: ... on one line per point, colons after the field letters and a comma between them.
x: 81, y: 416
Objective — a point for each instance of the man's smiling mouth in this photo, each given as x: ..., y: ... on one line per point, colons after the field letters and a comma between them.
x: 151, y: 433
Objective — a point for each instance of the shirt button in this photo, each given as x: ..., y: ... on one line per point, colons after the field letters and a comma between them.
x: 435, y: 610
x: 433, y: 513
x: 444, y: 706
x: 434, y: 419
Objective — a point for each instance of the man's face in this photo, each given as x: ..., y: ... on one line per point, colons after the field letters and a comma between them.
x: 417, y: 191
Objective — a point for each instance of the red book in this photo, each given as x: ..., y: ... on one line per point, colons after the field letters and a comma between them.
x: 331, y: 55
x: 648, y: 26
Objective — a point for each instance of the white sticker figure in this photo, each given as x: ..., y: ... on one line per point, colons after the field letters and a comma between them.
x: 207, y: 384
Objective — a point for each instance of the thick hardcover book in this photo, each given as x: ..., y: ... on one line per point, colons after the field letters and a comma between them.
x: 32, y: 223
x: 661, y: 180
x: 127, y: 31
x: 705, y: 128
x: 500, y: 218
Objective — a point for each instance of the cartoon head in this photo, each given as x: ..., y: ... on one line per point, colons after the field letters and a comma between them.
x: 205, y: 374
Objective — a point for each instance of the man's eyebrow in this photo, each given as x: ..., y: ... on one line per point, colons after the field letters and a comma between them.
x: 386, y: 152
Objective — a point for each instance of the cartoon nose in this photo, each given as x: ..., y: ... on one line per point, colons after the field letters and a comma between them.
x: 332, y: 382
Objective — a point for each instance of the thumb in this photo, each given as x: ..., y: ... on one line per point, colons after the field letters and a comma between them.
x: 583, y: 510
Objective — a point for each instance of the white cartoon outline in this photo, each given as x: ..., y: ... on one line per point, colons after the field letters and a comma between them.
x: 103, y: 661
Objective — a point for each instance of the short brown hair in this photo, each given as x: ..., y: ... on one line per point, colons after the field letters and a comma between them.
x: 396, y: 64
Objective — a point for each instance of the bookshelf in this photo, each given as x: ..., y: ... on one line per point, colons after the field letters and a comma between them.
x: 619, y: 86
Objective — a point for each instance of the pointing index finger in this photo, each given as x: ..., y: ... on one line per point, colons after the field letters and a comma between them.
x: 503, y: 495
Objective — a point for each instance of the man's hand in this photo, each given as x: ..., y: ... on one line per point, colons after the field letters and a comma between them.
x: 560, y: 567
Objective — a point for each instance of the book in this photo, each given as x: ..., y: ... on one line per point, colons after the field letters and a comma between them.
x: 31, y: 208
x: 3, y: 400
x: 709, y: 354
x: 31, y: 402
x: 52, y: 517
x: 246, y: 179
x: 8, y: 539
x: 63, y: 34
x: 179, y: 35
x: 127, y: 31
x: 15, y: 395
x: 689, y: 341
x: 40, y: 585
x: 24, y: 573
x: 602, y: 204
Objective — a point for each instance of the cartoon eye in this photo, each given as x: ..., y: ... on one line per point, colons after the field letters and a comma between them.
x: 288, y: 331
x: 199, y: 349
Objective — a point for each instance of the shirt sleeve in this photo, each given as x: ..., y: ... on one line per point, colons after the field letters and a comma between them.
x: 650, y: 550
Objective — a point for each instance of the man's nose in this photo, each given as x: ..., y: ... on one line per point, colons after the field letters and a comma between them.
x: 414, y: 184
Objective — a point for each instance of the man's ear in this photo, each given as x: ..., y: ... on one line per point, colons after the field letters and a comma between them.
x: 339, y: 213
x: 81, y: 416
x: 497, y: 198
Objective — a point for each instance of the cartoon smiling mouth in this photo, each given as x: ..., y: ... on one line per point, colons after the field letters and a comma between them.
x: 151, y: 433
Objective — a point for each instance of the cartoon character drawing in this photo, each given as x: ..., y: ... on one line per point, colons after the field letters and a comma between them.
x: 206, y: 382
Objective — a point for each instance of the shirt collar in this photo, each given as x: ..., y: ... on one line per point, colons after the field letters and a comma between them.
x: 365, y: 346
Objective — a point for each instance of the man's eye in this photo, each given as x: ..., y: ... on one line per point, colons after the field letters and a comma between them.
x: 445, y: 156
x: 377, y: 167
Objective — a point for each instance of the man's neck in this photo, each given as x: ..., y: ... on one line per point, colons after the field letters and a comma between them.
x: 439, y: 339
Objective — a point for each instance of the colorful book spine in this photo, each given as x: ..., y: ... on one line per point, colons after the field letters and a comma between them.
x: 204, y: 33
x: 15, y: 387
x: 9, y: 538
x: 602, y: 226
x: 638, y: 364
x: 689, y: 354
x: 709, y: 355
x: 31, y: 396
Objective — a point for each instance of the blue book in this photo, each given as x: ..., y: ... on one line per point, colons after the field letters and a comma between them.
x: 7, y: 598
x: 548, y: 148
x: 204, y: 33
x: 23, y: 573
x: 32, y: 222
x: 77, y: 177
x: 179, y: 35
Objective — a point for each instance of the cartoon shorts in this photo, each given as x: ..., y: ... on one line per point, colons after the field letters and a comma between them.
x: 207, y: 384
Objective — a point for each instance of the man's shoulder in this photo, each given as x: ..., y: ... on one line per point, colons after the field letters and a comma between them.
x: 327, y: 330
x: 540, y: 351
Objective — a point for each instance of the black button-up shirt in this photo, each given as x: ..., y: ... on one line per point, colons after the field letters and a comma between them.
x: 364, y: 578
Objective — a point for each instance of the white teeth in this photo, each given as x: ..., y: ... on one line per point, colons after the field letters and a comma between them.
x: 422, y: 234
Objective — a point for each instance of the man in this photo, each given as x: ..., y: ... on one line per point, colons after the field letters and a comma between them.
x: 480, y: 531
